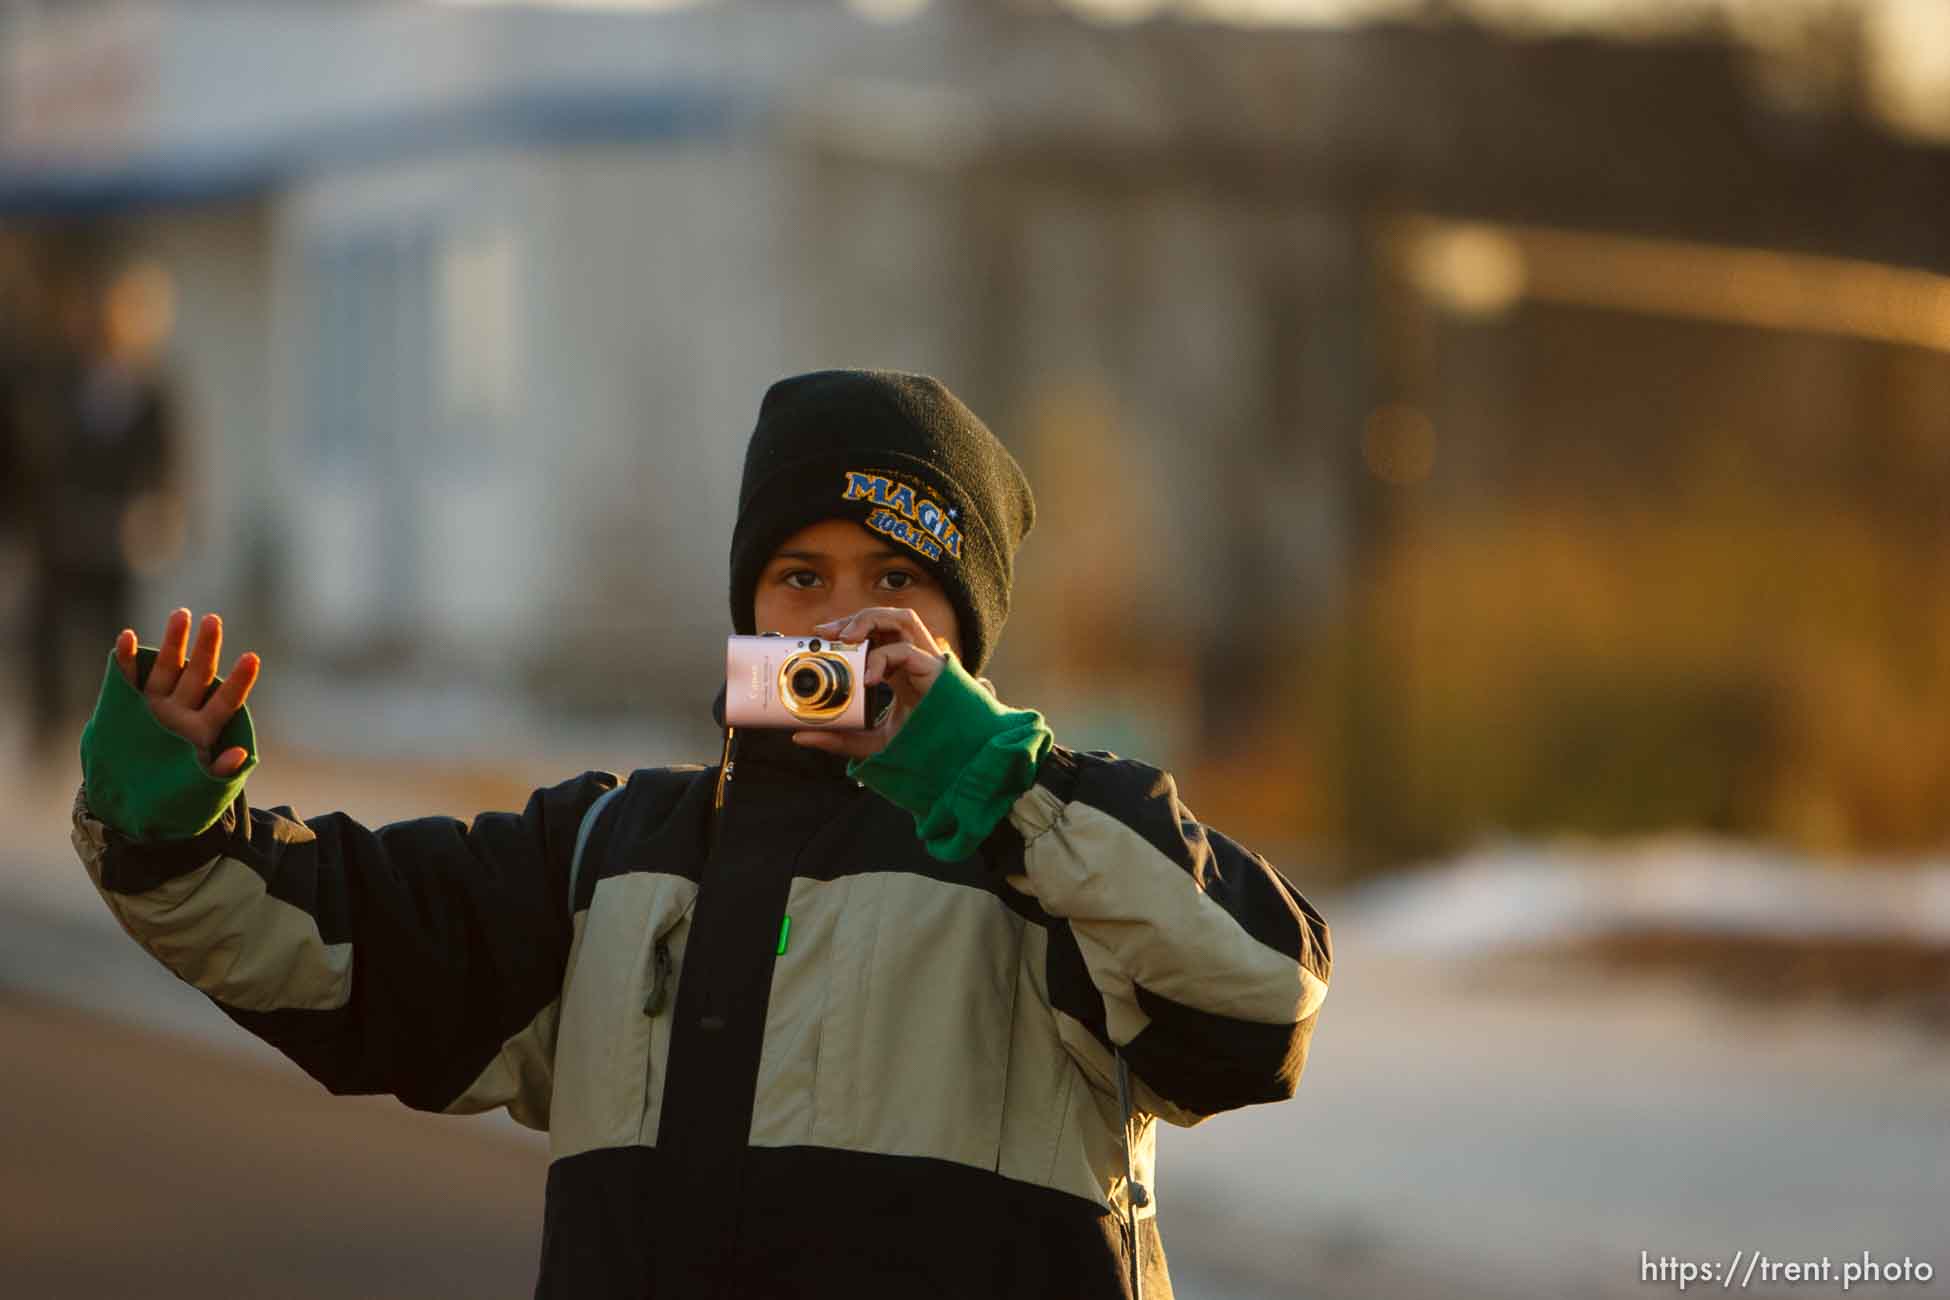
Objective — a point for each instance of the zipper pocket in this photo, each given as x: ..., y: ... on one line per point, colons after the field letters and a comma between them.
x: 660, y: 981
x: 663, y: 981
x: 663, y: 975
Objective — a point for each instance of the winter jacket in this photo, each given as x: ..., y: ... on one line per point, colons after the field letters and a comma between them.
x: 780, y: 1049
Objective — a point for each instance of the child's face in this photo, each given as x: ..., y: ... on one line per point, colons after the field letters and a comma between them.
x: 834, y: 568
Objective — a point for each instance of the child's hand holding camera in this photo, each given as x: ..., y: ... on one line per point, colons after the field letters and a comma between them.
x: 905, y: 655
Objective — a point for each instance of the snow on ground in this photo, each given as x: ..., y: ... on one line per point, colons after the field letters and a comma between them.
x: 1516, y: 894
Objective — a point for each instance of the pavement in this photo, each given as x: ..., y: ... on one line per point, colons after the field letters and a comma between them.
x: 144, y: 1163
x: 1470, y: 1125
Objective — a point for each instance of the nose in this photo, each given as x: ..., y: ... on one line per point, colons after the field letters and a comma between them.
x: 845, y: 598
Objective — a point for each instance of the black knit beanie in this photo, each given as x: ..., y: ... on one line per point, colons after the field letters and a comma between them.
x: 902, y: 456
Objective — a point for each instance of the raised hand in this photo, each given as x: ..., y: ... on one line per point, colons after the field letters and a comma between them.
x: 178, y: 690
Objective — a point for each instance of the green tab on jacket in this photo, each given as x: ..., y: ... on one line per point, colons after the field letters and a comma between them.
x: 145, y: 780
x: 957, y: 763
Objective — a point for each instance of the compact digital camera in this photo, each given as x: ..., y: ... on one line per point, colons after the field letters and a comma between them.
x: 804, y: 684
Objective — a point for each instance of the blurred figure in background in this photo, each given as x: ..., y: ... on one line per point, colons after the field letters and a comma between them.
x: 100, y: 457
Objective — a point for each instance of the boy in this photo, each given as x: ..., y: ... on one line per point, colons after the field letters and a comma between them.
x: 846, y: 1015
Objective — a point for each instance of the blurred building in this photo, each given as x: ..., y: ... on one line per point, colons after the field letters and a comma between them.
x: 1306, y: 334
x: 473, y: 309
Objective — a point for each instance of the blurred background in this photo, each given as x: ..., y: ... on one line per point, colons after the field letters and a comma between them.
x: 1495, y: 452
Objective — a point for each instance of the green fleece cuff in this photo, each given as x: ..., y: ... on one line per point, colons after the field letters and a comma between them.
x: 958, y: 762
x: 146, y: 781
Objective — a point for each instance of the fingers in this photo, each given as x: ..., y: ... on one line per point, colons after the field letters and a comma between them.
x: 169, y: 658
x: 236, y: 688
x: 918, y: 666
x: 229, y: 761
x: 902, y: 623
x: 186, y: 678
x: 910, y: 670
x: 125, y: 654
x: 201, y: 669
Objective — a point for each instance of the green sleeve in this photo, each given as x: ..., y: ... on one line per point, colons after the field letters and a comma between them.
x: 148, y: 782
x: 958, y: 762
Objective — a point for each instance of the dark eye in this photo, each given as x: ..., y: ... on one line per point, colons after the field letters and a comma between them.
x: 899, y: 580
x: 800, y: 579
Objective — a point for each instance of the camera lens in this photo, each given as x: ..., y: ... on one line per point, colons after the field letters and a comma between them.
x: 815, y: 687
